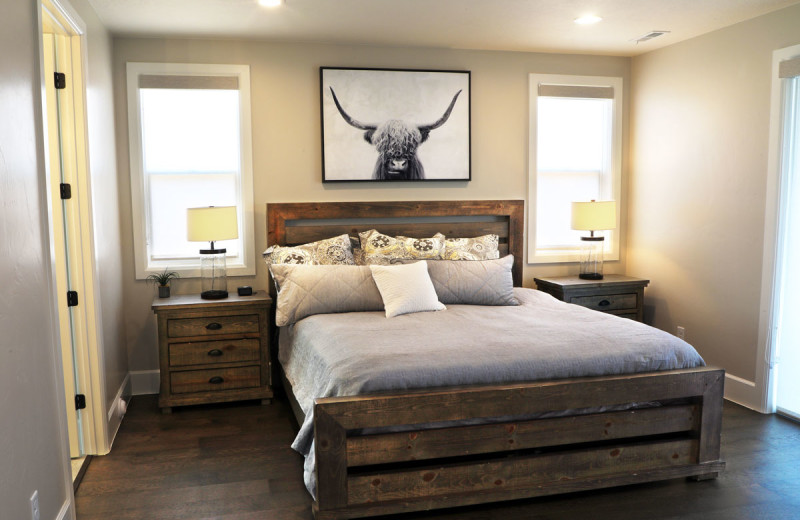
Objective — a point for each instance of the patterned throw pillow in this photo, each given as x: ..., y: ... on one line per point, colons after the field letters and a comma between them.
x: 479, y: 248
x: 358, y: 256
x: 380, y: 249
x: 332, y: 251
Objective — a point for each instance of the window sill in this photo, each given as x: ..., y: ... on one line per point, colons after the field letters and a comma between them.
x: 564, y: 257
x: 193, y: 270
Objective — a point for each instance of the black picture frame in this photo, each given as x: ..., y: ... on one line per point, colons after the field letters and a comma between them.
x: 419, y: 119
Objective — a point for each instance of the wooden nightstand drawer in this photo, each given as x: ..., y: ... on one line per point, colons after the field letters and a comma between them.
x: 615, y: 294
x: 213, y: 325
x: 215, y: 379
x: 210, y: 352
x: 606, y: 302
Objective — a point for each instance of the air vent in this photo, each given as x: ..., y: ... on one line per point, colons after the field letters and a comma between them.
x: 649, y: 36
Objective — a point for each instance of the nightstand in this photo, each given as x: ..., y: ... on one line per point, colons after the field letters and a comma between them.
x: 614, y: 294
x: 212, y: 351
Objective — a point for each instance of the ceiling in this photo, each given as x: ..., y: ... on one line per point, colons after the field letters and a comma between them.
x: 511, y: 25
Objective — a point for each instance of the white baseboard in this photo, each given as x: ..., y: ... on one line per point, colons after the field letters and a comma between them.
x: 123, y: 393
x: 66, y: 512
x: 117, y: 408
x: 145, y: 382
x: 742, y: 391
x: 739, y: 390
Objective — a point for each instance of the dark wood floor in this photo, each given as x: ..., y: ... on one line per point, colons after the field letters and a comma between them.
x: 233, y: 462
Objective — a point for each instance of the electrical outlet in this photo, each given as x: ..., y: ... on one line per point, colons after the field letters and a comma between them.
x: 680, y: 332
x: 35, y: 505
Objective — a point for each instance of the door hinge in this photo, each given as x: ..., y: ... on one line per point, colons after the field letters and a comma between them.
x: 60, y: 80
x: 66, y: 191
x: 72, y: 298
x: 80, y: 402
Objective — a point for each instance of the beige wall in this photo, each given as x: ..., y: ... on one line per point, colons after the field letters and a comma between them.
x: 699, y: 138
x: 33, y: 449
x: 286, y: 135
x: 105, y: 207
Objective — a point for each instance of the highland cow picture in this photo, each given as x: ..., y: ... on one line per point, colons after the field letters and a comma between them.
x: 395, y: 125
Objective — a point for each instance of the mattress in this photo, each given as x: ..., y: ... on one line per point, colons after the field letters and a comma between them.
x: 355, y: 353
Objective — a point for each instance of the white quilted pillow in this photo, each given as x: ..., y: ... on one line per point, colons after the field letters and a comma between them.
x: 406, y: 288
x: 304, y: 290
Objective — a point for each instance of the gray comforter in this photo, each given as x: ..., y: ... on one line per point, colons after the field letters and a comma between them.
x: 542, y: 338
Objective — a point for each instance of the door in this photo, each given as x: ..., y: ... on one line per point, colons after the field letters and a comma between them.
x: 61, y: 147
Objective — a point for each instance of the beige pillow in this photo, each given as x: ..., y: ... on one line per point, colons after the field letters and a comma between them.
x: 380, y: 249
x: 406, y: 288
x: 479, y: 248
x: 480, y: 282
x: 304, y: 290
x: 331, y: 251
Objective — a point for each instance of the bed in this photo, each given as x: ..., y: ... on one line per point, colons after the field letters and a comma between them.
x: 389, y: 452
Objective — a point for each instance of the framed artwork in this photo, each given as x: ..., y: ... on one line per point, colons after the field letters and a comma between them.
x: 388, y: 125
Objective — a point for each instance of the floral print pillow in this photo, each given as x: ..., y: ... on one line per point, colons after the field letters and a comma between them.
x: 380, y: 249
x: 332, y: 251
x: 479, y: 248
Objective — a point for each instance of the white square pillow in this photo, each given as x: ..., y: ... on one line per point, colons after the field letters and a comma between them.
x: 406, y: 288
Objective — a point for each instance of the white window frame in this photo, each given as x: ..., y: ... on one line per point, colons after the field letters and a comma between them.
x: 611, y: 191
x: 245, y: 264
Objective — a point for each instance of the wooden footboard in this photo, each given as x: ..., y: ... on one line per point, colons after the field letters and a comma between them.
x: 446, y: 465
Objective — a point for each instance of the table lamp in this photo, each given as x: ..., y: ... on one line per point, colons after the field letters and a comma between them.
x: 593, y: 216
x: 212, y: 224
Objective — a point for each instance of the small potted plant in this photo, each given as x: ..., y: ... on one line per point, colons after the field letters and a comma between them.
x: 162, y: 280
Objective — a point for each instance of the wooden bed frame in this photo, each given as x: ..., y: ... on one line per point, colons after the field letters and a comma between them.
x: 446, y: 465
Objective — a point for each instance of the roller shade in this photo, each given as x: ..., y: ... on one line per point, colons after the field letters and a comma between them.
x: 789, y: 68
x: 576, y: 91
x: 189, y: 82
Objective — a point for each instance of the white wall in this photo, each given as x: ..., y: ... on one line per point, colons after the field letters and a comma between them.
x: 286, y: 136
x: 33, y: 450
x: 699, y: 142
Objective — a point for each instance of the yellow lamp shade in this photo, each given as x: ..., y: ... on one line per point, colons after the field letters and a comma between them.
x: 594, y: 215
x: 212, y: 224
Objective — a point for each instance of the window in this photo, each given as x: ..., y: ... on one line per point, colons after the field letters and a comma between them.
x: 190, y: 146
x: 575, y: 150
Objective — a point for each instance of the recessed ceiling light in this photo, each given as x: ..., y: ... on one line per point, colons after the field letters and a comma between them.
x: 587, y: 19
x: 269, y: 3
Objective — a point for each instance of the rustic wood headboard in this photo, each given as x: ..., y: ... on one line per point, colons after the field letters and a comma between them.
x: 302, y: 222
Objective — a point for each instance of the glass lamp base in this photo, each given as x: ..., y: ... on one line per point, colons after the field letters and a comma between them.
x: 214, y: 295
x: 213, y: 274
x: 591, y: 258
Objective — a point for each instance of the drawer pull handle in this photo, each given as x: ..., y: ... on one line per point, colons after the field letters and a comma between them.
x: 215, y: 352
x: 213, y: 326
x: 216, y: 380
x: 604, y: 303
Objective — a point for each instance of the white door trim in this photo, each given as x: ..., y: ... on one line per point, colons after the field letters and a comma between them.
x: 89, y: 357
x: 773, y: 216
